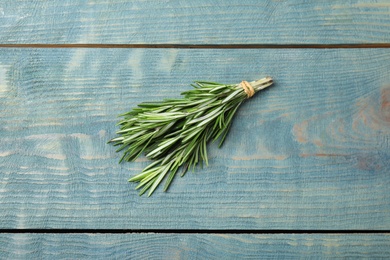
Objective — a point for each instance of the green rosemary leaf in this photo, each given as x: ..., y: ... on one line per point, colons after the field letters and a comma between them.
x: 163, y: 146
x: 208, y: 116
x: 164, y: 171
x: 142, y: 175
x: 146, y: 187
x: 206, y: 83
x: 232, y: 95
x: 175, y: 132
x: 170, y: 179
x: 204, y: 157
x: 193, y: 134
x: 225, y: 132
x: 184, y: 171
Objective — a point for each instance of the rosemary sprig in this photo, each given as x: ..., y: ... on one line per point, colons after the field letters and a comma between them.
x: 175, y: 132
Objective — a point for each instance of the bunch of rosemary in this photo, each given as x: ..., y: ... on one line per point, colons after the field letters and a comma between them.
x: 175, y: 132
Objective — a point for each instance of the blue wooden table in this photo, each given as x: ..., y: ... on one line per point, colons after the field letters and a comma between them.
x: 304, y: 172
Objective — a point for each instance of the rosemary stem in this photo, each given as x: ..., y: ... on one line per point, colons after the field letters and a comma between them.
x: 261, y: 83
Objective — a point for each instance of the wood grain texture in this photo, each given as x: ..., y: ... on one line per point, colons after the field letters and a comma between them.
x: 312, y: 152
x: 193, y: 246
x: 195, y: 22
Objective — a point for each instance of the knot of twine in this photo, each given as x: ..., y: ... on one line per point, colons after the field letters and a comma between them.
x: 249, y: 90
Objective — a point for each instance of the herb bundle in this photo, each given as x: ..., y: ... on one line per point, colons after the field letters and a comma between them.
x: 174, y: 133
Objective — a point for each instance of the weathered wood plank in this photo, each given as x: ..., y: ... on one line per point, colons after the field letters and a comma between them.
x: 193, y: 246
x: 312, y: 152
x: 195, y: 22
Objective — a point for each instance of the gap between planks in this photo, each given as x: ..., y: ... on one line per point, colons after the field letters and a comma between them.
x: 202, y: 46
x: 187, y: 231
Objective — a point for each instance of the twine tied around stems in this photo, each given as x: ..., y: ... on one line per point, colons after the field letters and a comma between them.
x: 249, y: 90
